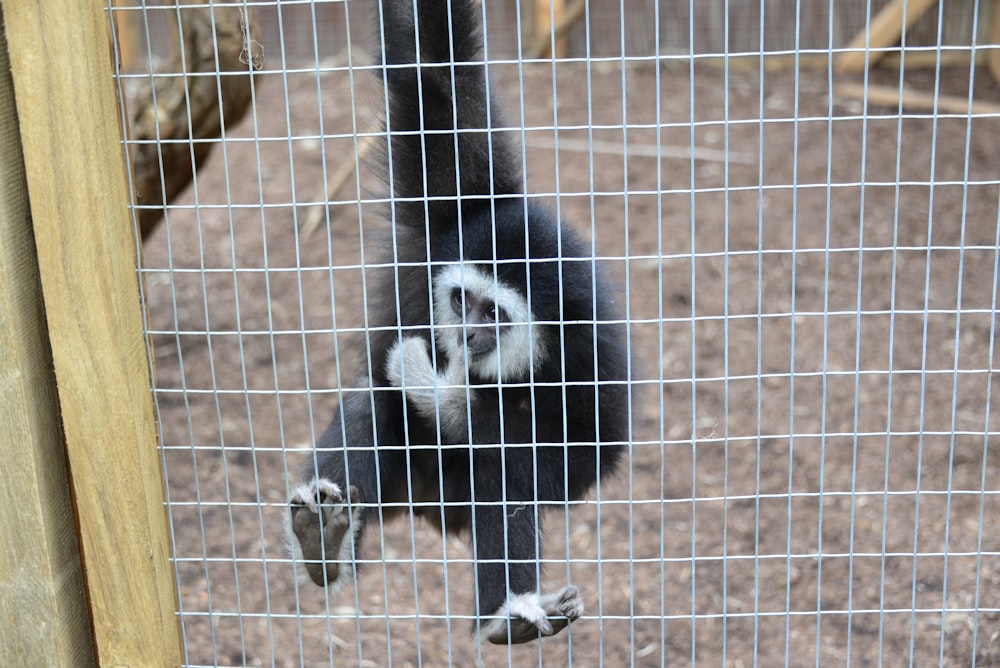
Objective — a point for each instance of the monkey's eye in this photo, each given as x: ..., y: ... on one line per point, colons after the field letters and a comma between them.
x: 496, y: 314
x: 456, y: 301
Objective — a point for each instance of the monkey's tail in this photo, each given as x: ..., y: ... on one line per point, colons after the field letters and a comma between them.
x: 444, y: 144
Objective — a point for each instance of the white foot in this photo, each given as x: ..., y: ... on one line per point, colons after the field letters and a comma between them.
x: 322, y: 531
x: 526, y: 617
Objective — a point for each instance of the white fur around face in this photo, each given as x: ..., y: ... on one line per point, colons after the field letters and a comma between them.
x: 520, y: 344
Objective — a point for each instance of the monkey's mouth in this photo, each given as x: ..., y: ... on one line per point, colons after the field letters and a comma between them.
x: 478, y: 353
x: 475, y: 352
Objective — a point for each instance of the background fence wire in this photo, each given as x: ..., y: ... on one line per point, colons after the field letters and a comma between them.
x: 811, y: 284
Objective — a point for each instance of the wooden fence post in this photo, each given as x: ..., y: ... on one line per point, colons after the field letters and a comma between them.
x: 43, y: 610
x: 70, y: 127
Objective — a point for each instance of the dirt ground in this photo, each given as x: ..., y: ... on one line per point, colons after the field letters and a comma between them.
x: 814, y: 473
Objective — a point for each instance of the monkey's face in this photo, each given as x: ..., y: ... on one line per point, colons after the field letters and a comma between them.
x: 485, y: 323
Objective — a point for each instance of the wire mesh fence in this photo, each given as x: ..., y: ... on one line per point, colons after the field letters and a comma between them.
x: 809, y: 284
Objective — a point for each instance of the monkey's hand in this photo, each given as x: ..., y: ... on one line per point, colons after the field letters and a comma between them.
x: 322, y: 531
x: 408, y: 365
x: 437, y: 397
x: 526, y: 617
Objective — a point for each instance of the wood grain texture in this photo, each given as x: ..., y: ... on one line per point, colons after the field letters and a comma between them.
x: 993, y: 59
x: 885, y: 29
x: 43, y: 616
x: 71, y: 136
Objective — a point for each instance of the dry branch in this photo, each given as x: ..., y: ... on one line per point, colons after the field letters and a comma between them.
x: 219, y: 41
x: 314, y: 215
x: 662, y: 151
x: 888, y: 96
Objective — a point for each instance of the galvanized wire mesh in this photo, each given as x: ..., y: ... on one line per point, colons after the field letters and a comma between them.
x: 810, y: 281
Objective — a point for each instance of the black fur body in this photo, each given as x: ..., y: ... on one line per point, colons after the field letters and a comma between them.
x: 544, y: 434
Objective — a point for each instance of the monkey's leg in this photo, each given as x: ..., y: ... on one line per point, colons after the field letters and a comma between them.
x: 511, y: 610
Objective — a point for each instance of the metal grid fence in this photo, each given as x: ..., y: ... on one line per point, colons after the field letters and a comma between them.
x: 810, y: 282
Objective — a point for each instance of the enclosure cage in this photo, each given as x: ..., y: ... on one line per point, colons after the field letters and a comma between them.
x: 797, y: 203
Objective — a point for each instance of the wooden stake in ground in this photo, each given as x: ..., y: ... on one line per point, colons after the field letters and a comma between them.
x: 212, y: 39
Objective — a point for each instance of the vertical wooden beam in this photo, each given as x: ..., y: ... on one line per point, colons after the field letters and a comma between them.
x: 548, y: 15
x: 993, y: 59
x: 127, y: 26
x: 43, y: 617
x: 885, y: 29
x: 71, y: 135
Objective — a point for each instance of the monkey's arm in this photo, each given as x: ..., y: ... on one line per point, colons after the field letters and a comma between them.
x: 445, y: 92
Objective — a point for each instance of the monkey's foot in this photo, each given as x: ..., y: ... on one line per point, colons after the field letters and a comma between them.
x: 527, y: 617
x: 322, y: 531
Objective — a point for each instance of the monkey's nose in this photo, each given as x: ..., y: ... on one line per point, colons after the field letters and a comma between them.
x: 477, y: 340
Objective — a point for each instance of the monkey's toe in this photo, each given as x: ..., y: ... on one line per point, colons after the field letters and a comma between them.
x: 566, y: 603
x: 321, y: 526
x: 530, y: 619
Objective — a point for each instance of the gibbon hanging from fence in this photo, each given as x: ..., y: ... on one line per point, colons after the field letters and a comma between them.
x: 498, y: 355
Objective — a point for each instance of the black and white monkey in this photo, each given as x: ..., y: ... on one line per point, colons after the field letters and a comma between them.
x: 499, y: 366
